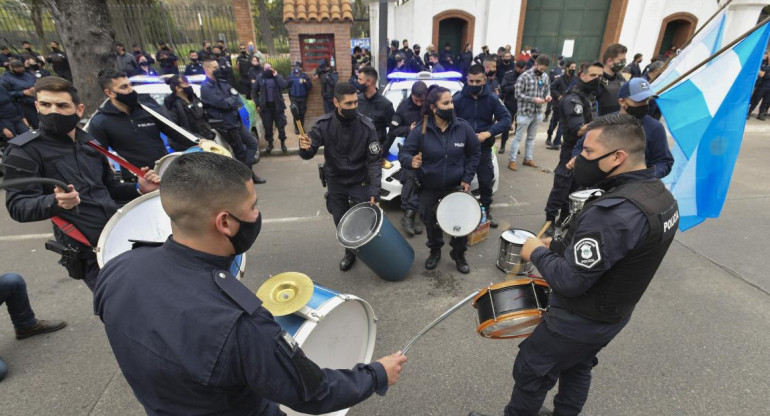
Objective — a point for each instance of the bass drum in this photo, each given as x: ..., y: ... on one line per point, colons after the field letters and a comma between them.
x: 458, y: 214
x: 143, y: 219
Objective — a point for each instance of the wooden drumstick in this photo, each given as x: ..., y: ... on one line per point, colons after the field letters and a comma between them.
x: 517, y: 266
x: 300, y: 128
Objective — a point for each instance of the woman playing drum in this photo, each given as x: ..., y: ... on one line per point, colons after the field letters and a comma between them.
x: 445, y: 153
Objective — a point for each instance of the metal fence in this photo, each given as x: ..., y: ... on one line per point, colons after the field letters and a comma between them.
x: 16, y: 26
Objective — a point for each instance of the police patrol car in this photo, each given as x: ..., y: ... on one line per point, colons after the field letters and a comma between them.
x: 400, y: 87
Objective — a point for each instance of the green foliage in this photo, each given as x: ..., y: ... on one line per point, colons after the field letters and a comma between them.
x: 281, y: 63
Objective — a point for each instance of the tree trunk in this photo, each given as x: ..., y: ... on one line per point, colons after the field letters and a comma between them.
x: 264, y: 22
x: 36, y: 12
x: 87, y: 36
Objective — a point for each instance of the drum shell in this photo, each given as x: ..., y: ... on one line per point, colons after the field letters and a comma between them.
x: 509, y: 253
x: 386, y: 252
x: 578, y: 199
x: 525, y: 297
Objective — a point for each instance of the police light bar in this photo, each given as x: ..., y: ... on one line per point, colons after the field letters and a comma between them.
x: 147, y: 79
x: 403, y: 76
x: 196, y: 79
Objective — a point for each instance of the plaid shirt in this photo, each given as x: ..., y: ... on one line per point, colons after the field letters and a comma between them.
x: 529, y: 87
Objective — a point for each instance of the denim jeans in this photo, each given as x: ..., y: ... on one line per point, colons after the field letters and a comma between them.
x: 13, y: 291
x: 524, y: 125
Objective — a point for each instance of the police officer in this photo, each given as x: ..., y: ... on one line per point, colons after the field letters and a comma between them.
x: 560, y: 84
x: 299, y: 86
x: 488, y: 117
x: 372, y: 104
x: 222, y: 102
x: 352, y: 155
x: 614, y: 60
x: 59, y: 151
x: 200, y: 341
x: 225, y: 65
x: 20, y: 85
x: 508, y: 95
x: 185, y: 109
x: 575, y: 110
x: 270, y: 105
x: 194, y: 67
x: 445, y: 152
x: 243, y: 63
x: 12, y: 121
x: 599, y: 271
x: 406, y: 118
x: 416, y: 64
x: 329, y: 79
x: 490, y: 70
x: 762, y: 92
x: 122, y: 124
x: 58, y: 59
x: 167, y: 59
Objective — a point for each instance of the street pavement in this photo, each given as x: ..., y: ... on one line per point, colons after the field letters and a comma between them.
x: 696, y: 345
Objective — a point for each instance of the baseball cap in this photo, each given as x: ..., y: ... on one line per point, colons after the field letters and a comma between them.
x: 637, y: 89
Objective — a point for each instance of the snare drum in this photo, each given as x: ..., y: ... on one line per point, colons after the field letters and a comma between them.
x: 334, y: 330
x: 578, y: 198
x: 365, y: 230
x: 509, y: 253
x: 511, y: 309
x: 458, y: 214
x: 143, y: 219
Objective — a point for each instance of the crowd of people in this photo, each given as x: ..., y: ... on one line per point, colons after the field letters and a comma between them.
x: 598, y: 262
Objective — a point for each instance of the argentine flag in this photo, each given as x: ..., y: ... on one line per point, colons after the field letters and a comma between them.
x: 708, y: 41
x: 706, y: 114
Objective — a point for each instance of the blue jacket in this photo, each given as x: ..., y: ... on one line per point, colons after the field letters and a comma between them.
x: 485, y: 113
x: 9, y: 110
x: 16, y: 84
x: 222, y: 102
x: 296, y: 87
x: 448, y: 158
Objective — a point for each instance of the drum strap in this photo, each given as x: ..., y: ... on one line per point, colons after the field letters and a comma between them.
x: 70, y: 230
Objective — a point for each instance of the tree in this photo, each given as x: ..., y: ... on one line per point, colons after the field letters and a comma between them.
x: 86, y: 32
x: 36, y: 14
x: 264, y: 23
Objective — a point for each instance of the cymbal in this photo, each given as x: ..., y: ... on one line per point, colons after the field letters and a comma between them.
x: 286, y: 293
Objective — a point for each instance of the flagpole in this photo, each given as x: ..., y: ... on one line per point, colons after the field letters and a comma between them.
x: 717, y: 53
x: 706, y: 24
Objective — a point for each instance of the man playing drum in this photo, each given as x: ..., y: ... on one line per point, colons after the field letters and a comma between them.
x: 189, y: 337
x: 598, y: 272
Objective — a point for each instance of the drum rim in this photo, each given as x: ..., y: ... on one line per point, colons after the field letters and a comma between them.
x: 375, y: 231
x: 584, y: 194
x: 512, y: 230
x: 507, y: 316
x: 172, y: 156
x: 455, y: 234
x: 522, y: 281
x: 120, y: 213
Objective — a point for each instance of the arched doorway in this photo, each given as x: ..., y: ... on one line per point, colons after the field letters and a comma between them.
x: 675, y: 30
x: 454, y: 27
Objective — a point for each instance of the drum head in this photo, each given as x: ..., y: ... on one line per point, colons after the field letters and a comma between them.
x: 517, y: 236
x: 141, y: 219
x: 458, y: 214
x: 584, y: 194
x: 359, y: 225
x: 516, y: 325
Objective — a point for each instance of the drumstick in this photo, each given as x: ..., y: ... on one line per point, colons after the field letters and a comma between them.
x: 300, y: 128
x: 438, y: 320
x: 517, y: 266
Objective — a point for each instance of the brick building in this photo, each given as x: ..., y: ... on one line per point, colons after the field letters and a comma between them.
x: 319, y: 29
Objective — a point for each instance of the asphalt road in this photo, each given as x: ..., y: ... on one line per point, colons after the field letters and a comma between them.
x: 696, y: 345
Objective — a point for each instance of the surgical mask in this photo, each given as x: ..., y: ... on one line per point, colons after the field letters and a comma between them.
x: 349, y: 113
x: 475, y: 89
x: 251, y: 48
x: 131, y: 99
x: 618, y: 66
x: 588, y: 173
x: 445, y: 113
x: 638, y: 111
x: 246, y: 235
x: 59, y: 124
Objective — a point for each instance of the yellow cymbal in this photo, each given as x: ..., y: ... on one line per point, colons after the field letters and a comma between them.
x: 285, y: 293
x: 210, y: 146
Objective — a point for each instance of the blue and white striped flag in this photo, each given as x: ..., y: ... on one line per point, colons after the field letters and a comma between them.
x: 706, y: 114
x: 708, y: 41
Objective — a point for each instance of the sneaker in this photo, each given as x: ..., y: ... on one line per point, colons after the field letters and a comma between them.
x: 41, y: 327
x: 530, y: 163
x: 512, y: 165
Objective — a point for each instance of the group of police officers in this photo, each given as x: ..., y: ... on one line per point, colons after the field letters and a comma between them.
x: 217, y: 350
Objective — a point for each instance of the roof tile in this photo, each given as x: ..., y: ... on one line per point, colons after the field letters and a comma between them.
x: 317, y: 10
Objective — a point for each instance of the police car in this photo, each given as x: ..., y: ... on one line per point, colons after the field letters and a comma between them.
x: 400, y: 87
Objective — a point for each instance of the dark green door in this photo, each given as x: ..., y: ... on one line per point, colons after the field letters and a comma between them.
x: 549, y: 23
x: 451, y: 30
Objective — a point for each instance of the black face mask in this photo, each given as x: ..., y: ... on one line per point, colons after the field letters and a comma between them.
x: 571, y: 72
x: 188, y: 90
x: 538, y: 73
x: 618, y: 66
x: 193, y: 61
x: 591, y: 85
x: 588, y: 173
x: 445, y: 113
x: 639, y: 111
x: 54, y: 49
x: 34, y: 67
x: 246, y: 235
x: 349, y: 113
x: 217, y: 55
x: 18, y: 73
x: 131, y: 99
x: 360, y: 87
x: 507, y: 61
x: 491, y: 73
x: 268, y: 73
x: 475, y: 89
x: 58, y: 124
x: 219, y: 74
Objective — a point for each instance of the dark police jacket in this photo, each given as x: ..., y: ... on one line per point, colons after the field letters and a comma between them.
x: 448, y: 157
x: 607, y: 96
x: 297, y: 88
x: 16, y: 84
x: 351, y: 150
x: 575, y: 107
x: 189, y: 116
x: 611, y: 252
x: 485, y: 113
x: 9, y: 109
x: 192, y: 340
x: 260, y: 90
x: 135, y: 136
x: 38, y: 154
x: 379, y: 109
x: 222, y: 102
x: 406, y: 114
x: 194, y: 69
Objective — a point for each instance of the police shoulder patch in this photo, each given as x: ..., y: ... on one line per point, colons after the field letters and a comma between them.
x: 588, y: 251
x: 578, y: 109
x: 374, y: 148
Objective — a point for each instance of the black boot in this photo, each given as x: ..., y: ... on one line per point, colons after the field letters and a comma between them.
x: 460, y: 262
x: 283, y: 146
x: 762, y: 115
x: 548, y: 140
x: 347, y: 262
x: 269, y: 147
x: 492, y: 222
x: 407, y: 223
x: 417, y: 226
x: 433, y: 258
